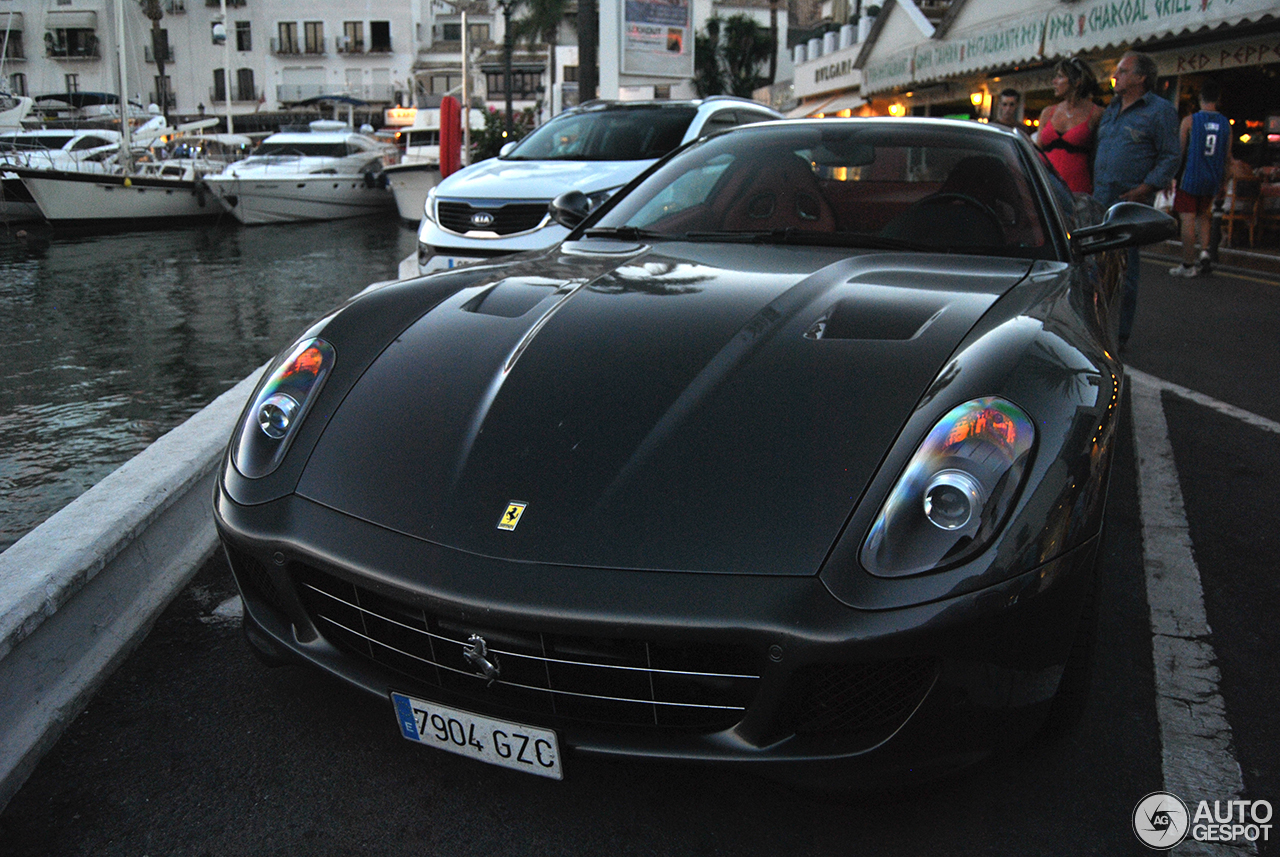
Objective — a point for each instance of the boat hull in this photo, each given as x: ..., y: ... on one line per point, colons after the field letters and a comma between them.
x: 87, y: 198
x: 15, y: 201
x: 410, y: 184
x: 287, y: 200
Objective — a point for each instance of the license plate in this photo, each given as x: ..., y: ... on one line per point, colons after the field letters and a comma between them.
x: 498, y: 742
x: 441, y: 263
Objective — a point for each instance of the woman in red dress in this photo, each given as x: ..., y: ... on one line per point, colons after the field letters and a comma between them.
x: 1069, y: 129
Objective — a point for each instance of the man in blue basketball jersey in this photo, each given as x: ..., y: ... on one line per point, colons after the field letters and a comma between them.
x: 1206, y: 146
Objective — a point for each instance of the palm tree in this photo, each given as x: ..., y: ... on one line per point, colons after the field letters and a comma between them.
x: 773, y: 39
x: 746, y: 46
x: 728, y: 57
x: 588, y: 49
x: 160, y: 48
x: 541, y: 25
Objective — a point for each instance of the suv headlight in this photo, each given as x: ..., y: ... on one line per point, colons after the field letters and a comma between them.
x: 955, y: 493
x: 429, y: 207
x: 272, y: 421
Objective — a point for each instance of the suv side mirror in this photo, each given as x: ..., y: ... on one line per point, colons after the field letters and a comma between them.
x: 1125, y: 224
x: 506, y: 149
x: 570, y: 208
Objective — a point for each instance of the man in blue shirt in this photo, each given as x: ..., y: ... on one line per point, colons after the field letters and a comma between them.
x: 1138, y: 154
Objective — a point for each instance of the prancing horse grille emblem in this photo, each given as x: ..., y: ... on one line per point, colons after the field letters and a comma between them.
x: 482, y: 218
x: 477, y: 654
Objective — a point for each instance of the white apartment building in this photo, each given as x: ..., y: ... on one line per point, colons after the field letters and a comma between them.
x: 282, y: 52
x: 279, y: 52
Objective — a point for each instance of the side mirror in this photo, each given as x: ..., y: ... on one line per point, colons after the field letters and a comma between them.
x: 570, y: 208
x: 1125, y: 224
x: 506, y: 149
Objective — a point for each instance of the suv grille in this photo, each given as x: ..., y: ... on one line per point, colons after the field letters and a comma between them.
x: 508, y: 218
x: 561, y: 677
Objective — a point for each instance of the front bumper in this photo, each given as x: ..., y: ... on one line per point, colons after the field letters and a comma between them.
x: 767, y: 672
x: 436, y: 242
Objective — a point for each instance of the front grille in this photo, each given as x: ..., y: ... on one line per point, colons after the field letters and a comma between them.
x: 508, y: 218
x: 552, y: 677
x: 856, y: 697
x: 254, y: 579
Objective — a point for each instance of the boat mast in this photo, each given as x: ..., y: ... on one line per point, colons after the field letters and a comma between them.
x: 126, y: 141
x: 226, y: 66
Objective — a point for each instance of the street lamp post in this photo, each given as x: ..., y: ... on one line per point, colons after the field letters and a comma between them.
x: 507, y: 47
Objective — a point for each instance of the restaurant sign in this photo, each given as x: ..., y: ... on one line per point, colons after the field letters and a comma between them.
x: 1051, y: 32
x: 1258, y: 50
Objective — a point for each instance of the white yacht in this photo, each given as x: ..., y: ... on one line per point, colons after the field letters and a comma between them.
x: 325, y: 173
x: 13, y: 109
x: 419, y: 168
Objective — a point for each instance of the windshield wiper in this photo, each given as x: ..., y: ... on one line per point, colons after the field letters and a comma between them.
x: 625, y: 233
x: 791, y: 235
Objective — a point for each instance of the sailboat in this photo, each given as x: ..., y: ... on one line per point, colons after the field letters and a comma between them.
x: 131, y: 194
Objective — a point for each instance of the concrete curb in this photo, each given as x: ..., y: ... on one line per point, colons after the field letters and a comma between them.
x: 83, y: 588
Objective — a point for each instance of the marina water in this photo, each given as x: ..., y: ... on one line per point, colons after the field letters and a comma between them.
x: 109, y: 341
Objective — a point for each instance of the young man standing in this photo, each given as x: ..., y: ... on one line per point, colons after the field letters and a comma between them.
x: 1206, y: 145
x: 1137, y: 155
x: 1007, y: 110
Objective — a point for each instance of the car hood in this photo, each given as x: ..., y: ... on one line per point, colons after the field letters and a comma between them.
x: 495, y: 178
x: 691, y: 407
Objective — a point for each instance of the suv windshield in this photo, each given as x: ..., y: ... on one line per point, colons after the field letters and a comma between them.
x: 614, y: 134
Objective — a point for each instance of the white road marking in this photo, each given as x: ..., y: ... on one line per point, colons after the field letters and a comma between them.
x: 1197, y: 753
x: 1201, y: 399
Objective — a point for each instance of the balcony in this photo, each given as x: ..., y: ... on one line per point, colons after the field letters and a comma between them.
x: 374, y: 93
x: 149, y: 54
x: 231, y: 4
x: 347, y: 45
x: 239, y: 95
x: 83, y: 45
x: 154, y: 98
x: 287, y: 47
x: 176, y: 7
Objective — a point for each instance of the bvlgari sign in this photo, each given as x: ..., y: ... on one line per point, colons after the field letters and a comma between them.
x: 1054, y: 30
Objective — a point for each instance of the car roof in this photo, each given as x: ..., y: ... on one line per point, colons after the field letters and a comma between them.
x: 708, y: 103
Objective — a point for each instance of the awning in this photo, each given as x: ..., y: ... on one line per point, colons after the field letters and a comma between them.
x: 1052, y: 31
x: 71, y: 20
x: 809, y: 108
x: 844, y: 102
x: 11, y: 21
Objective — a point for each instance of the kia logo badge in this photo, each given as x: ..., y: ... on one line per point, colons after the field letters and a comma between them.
x: 482, y: 218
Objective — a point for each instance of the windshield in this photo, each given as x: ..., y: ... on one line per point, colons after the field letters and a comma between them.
x: 327, y: 150
x: 615, y: 134
x: 857, y: 183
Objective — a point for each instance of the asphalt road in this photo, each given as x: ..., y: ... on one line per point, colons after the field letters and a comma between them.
x: 194, y: 748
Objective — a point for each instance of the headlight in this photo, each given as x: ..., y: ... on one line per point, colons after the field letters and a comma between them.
x: 955, y: 493
x: 281, y: 403
x: 429, y: 207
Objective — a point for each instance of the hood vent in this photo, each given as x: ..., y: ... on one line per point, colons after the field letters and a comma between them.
x: 866, y: 318
x: 511, y: 298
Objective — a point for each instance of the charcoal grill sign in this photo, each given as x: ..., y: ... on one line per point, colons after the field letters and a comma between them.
x: 658, y: 39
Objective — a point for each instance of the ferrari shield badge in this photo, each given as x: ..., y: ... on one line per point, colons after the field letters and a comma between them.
x: 511, y: 517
